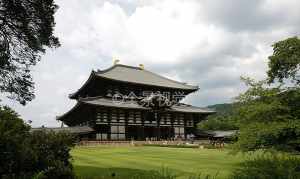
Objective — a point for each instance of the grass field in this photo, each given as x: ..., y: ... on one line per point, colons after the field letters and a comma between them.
x: 125, y: 162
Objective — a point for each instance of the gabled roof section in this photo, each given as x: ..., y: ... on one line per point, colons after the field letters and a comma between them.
x: 185, y: 108
x: 138, y: 75
x: 125, y: 104
x: 132, y: 104
x: 91, y: 77
x: 107, y: 102
x: 134, y: 75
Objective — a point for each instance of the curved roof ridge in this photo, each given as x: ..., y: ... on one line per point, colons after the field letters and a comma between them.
x: 134, y: 79
x: 114, y: 66
x: 184, y: 83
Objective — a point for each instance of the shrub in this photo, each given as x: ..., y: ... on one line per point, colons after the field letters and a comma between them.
x: 15, y: 155
x: 24, y: 154
x: 58, y: 171
x: 51, y: 148
x: 269, y: 166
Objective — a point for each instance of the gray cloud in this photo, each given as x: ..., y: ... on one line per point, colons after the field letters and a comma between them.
x: 255, y: 15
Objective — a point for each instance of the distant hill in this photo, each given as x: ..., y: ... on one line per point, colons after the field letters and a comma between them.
x: 222, y: 109
x: 222, y: 120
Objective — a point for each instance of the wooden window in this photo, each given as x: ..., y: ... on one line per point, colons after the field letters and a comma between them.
x: 104, y: 136
x: 98, y: 136
x: 114, y: 136
x: 121, y: 137
x: 101, y: 116
x: 114, y: 129
x: 121, y: 129
x: 117, y: 132
x: 121, y: 116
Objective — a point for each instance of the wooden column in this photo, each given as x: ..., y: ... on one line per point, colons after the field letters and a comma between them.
x: 126, y: 113
x: 142, y: 125
x: 158, y: 125
x: 109, y: 111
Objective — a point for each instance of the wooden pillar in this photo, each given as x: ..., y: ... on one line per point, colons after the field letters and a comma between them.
x: 184, y: 124
x: 158, y: 125
x: 126, y: 124
x: 109, y: 111
x: 142, y: 125
x: 172, y: 124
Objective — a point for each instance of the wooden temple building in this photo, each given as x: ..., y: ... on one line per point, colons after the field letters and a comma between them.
x: 126, y: 102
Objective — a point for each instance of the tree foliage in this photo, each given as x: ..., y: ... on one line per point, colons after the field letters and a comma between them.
x: 24, y: 154
x: 267, y: 166
x: 268, y: 117
x: 285, y: 60
x: 26, y: 28
x: 218, y: 122
x: 13, y: 153
x: 269, y: 112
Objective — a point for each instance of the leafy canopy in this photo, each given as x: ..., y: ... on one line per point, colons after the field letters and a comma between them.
x: 285, y: 60
x: 24, y: 154
x: 268, y: 117
x: 268, y: 112
x: 26, y: 28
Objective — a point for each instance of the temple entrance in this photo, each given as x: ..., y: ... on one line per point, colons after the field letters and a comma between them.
x: 132, y: 132
x: 150, y: 132
x: 166, y: 132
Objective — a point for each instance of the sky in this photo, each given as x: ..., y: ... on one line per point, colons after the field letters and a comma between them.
x: 209, y: 43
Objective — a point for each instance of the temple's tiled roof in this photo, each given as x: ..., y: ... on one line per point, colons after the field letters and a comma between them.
x: 84, y: 103
x: 217, y: 134
x: 100, y: 101
x: 190, y: 109
x: 141, y: 76
x: 108, y: 102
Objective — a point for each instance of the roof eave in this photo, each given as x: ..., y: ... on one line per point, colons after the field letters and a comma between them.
x: 75, y: 95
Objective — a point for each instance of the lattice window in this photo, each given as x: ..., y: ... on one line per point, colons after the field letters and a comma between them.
x: 121, y: 116
x: 137, y: 117
x: 130, y: 117
x: 101, y: 116
x: 117, y: 132
x: 114, y: 117
x: 179, y: 132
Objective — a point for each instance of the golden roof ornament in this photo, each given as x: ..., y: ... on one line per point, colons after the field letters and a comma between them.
x: 142, y: 66
x: 115, y: 60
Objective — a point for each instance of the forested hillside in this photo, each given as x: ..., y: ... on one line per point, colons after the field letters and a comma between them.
x: 222, y: 120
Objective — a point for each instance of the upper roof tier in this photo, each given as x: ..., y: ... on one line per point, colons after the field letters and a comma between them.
x: 141, y: 76
x: 134, y: 75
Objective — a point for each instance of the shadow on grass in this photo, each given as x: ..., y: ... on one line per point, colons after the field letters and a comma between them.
x: 91, y: 172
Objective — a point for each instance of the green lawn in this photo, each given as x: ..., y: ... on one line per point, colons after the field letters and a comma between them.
x: 125, y: 162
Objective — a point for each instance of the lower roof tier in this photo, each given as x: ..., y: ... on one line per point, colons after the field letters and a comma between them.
x: 85, y: 107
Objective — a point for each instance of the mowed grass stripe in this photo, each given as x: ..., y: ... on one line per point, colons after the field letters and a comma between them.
x: 180, y: 160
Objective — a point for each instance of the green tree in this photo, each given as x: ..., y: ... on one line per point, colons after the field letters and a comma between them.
x: 268, y: 117
x: 13, y: 151
x: 24, y: 153
x: 218, y: 122
x: 26, y: 29
x: 285, y: 60
x: 268, y: 112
